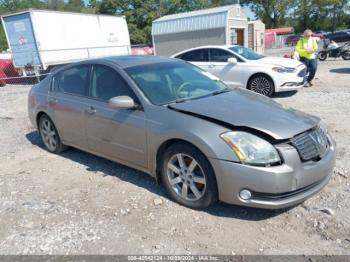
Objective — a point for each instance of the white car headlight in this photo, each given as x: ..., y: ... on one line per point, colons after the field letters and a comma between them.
x: 251, y: 149
x: 284, y: 69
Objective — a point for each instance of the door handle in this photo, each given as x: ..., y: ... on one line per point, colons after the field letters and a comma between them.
x: 211, y: 66
x: 90, y: 110
x: 53, y: 100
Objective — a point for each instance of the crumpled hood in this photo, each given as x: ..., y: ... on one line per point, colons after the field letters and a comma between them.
x: 243, y: 108
x: 278, y: 61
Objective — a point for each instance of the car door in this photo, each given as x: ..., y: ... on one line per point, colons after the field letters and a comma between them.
x: 119, y: 134
x: 220, y: 67
x: 198, y: 57
x: 68, y: 101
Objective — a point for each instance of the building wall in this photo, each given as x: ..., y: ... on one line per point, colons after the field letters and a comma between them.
x: 237, y: 19
x: 256, y: 39
x: 169, y: 44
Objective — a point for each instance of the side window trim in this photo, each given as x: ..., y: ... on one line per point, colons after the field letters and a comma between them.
x: 53, y: 89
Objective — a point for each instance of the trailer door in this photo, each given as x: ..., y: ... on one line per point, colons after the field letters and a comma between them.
x: 20, y: 37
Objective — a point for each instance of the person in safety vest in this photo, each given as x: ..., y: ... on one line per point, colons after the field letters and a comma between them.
x: 307, y: 48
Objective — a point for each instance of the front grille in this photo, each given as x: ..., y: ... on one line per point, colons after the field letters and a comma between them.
x: 312, y: 144
x: 302, y: 73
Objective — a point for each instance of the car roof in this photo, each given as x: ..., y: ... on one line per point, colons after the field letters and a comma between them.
x: 124, y: 62
x: 203, y: 47
x: 137, y: 60
x: 213, y: 46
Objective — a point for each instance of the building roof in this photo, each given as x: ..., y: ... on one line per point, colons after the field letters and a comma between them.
x: 281, y: 30
x: 214, y: 10
x: 192, y: 21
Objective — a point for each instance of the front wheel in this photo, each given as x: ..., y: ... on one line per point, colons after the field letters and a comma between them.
x: 49, y: 135
x: 261, y: 84
x: 346, y: 55
x: 188, y: 176
x: 322, y: 56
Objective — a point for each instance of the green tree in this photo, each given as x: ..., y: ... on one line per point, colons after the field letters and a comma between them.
x: 272, y: 12
x: 139, y: 15
x: 55, y: 4
x: 329, y: 15
x: 75, y: 6
x: 93, y: 6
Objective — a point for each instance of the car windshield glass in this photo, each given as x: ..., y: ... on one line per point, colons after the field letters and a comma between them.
x: 246, y: 53
x: 170, y: 82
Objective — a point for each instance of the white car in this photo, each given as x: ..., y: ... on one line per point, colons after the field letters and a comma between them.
x: 238, y: 66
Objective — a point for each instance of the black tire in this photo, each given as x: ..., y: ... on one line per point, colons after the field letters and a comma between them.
x: 346, y: 55
x: 261, y: 84
x: 208, y: 190
x: 322, y: 56
x: 58, y: 146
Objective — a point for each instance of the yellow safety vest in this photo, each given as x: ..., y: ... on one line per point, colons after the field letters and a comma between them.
x: 304, y: 44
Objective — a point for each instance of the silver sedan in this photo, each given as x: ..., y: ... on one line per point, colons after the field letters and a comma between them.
x: 183, y: 126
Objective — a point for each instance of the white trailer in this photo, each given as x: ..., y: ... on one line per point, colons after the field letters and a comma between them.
x: 41, y: 39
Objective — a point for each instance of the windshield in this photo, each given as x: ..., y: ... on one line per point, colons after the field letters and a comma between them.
x: 170, y: 82
x: 247, y: 53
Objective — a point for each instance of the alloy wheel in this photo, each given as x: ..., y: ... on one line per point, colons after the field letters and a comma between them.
x: 186, y: 177
x: 48, y: 134
x: 261, y: 85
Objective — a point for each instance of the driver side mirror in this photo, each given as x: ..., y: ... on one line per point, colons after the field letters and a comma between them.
x: 232, y: 60
x: 122, y: 102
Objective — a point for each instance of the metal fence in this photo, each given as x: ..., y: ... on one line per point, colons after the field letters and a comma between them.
x: 278, y: 41
x: 22, y: 80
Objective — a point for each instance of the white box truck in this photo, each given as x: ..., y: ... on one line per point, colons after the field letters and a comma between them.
x: 41, y: 39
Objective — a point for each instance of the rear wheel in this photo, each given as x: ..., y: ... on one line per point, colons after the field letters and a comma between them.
x: 261, y: 84
x: 49, y: 135
x: 346, y: 55
x: 188, y: 176
x: 322, y: 56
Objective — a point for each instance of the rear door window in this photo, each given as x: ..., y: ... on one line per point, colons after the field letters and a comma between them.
x: 201, y: 55
x: 72, y: 81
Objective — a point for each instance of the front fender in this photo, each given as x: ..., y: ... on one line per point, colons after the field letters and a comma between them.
x: 202, y: 134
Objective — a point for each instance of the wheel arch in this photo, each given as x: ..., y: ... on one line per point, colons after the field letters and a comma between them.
x: 165, y: 145
x: 38, y: 116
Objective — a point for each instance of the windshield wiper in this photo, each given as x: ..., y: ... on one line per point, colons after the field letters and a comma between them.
x: 220, y: 91
x: 181, y: 100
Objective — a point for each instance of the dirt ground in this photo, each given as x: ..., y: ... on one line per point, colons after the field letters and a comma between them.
x: 77, y: 203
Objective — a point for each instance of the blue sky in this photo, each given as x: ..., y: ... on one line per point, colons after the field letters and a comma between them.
x: 249, y: 12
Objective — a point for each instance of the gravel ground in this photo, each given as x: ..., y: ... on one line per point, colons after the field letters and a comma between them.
x: 77, y: 203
